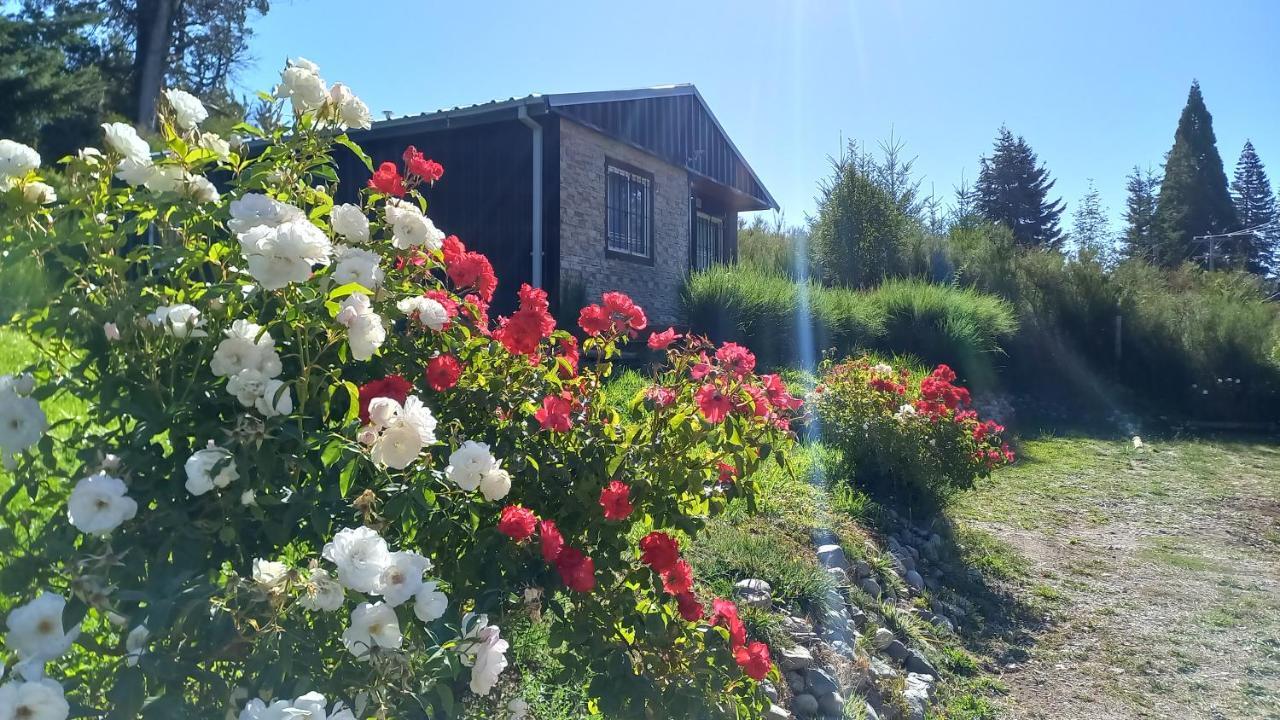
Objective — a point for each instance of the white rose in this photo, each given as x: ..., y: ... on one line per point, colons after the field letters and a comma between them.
x: 402, y: 577
x: 135, y: 643
x: 410, y: 228
x: 35, y: 629
x: 486, y: 656
x: 419, y: 417
x: 352, y: 112
x: 356, y: 265
x: 365, y: 332
x: 111, y: 331
x: 397, y: 447
x: 22, y: 422
x: 188, y: 111
x: 372, y: 625
x: 200, y: 189
x: 312, y: 707
x: 469, y: 464
x: 249, y: 497
x: 322, y: 593
x: 89, y: 155
x: 245, y: 347
x: 220, y: 148
x: 269, y: 573
x: 201, y: 467
x: 383, y: 411
x: 427, y: 312
x: 40, y: 699
x: 122, y: 138
x: 350, y: 222
x: 98, y: 504
x: 16, y: 160
x: 248, y: 385
x: 429, y: 604
x: 276, y: 399
x: 495, y: 485
x: 38, y: 193
x: 167, y: 178
x: 136, y: 172
x: 360, y: 555
x: 278, y: 256
x: 181, y: 320
x: 301, y: 83
x: 254, y: 209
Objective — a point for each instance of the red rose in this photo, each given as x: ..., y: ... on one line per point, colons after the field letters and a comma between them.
x: 387, y: 180
x: 443, y: 372
x: 446, y: 301
x: 660, y: 396
x: 554, y: 414
x: 453, y: 249
x: 517, y: 522
x: 712, y: 403
x: 754, y: 660
x: 659, y: 550
x: 469, y: 269
x: 736, y: 359
x: 678, y: 578
x: 725, y: 613
x: 521, y: 333
x: 662, y: 340
x: 576, y: 570
x: 593, y: 320
x: 690, y: 608
x: 391, y: 386
x: 779, y: 397
x: 552, y: 540
x: 616, y: 501
x: 478, y: 311
x: 569, y: 354
x: 700, y: 369
x: 727, y: 473
x: 425, y: 168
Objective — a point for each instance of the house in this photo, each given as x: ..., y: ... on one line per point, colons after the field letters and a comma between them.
x: 581, y: 193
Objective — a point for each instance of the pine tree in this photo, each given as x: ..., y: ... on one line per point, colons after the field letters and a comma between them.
x: 1013, y: 189
x: 1255, y: 206
x: 1139, y: 239
x: 1193, y: 196
x: 1090, y: 229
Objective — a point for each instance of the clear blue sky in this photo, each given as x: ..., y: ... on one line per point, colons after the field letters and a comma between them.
x: 1095, y: 87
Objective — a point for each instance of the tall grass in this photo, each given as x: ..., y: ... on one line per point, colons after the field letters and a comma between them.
x: 762, y: 310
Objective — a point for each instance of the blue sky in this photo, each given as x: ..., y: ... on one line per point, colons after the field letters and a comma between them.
x: 1095, y: 87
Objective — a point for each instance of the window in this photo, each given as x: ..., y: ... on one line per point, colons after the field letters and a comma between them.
x: 708, y: 241
x: 629, y: 212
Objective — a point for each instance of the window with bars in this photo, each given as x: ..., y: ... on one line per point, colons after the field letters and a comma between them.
x: 708, y: 241
x: 629, y: 211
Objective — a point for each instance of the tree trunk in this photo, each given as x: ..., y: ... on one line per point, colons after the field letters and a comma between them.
x: 154, y: 21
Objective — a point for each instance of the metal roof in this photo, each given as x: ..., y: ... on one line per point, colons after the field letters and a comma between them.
x: 538, y: 104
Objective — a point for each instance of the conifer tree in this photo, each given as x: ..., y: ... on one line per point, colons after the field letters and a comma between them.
x: 1090, y: 229
x: 1256, y: 207
x: 1013, y: 189
x: 1139, y: 239
x: 1193, y: 196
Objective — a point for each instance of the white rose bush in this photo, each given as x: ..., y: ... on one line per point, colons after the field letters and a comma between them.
x: 315, y: 478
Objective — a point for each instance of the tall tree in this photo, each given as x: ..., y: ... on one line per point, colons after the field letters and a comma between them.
x: 1193, y: 196
x: 1139, y: 239
x: 1013, y: 189
x: 1090, y: 229
x: 859, y: 233
x: 1256, y: 208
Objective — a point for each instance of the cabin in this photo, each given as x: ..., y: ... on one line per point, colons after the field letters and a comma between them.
x: 581, y: 193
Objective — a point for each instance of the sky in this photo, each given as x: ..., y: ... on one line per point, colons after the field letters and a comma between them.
x: 1095, y: 87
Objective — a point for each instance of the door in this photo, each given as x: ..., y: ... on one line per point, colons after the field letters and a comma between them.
x: 708, y: 241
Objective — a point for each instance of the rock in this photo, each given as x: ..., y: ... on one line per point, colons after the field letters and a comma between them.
x: 770, y: 691
x: 858, y: 617
x: 777, y: 712
x: 881, y: 670
x: 805, y: 705
x: 914, y: 580
x: 918, y: 693
x: 843, y: 648
x: 820, y: 681
x: 832, y: 556
x: 897, y: 651
x: 838, y: 575
x: 831, y: 703
x: 862, y: 569
x: 870, y: 587
x: 882, y: 638
x: 869, y: 713
x: 915, y: 554
x: 795, y: 658
x: 942, y: 622
x: 795, y: 680
x: 823, y: 536
x: 935, y: 540
x: 916, y: 663
x: 755, y: 593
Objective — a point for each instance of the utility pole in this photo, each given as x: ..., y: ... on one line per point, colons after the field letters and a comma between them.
x: 1212, y: 240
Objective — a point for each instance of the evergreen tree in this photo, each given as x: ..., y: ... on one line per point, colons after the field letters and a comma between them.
x: 858, y: 236
x: 1090, y: 229
x: 1139, y: 240
x: 965, y: 213
x: 1255, y: 206
x: 1193, y: 196
x: 1013, y: 189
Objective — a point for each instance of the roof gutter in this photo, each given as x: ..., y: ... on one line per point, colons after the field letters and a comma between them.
x: 535, y: 128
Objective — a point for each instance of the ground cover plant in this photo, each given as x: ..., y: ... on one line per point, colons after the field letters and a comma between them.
x: 313, y: 477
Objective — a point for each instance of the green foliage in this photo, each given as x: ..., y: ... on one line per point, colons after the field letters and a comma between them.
x: 773, y: 248
x: 1255, y: 207
x: 1193, y: 195
x: 909, y: 439
x: 729, y: 552
x: 859, y: 233
x: 935, y: 322
x: 1140, y: 238
x: 1013, y: 190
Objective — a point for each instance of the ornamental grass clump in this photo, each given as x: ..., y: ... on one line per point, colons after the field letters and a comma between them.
x: 316, y: 478
x: 908, y: 436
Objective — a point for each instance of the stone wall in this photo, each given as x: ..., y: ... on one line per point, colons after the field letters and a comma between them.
x: 583, y: 260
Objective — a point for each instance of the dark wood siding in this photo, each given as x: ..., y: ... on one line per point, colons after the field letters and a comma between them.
x: 485, y: 196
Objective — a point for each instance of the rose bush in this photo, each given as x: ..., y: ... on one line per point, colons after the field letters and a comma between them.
x: 910, y: 435
x: 315, y: 477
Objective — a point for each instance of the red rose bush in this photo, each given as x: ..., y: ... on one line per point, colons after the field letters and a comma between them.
x: 317, y: 474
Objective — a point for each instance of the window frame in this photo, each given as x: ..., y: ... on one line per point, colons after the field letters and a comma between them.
x: 714, y: 220
x: 610, y: 165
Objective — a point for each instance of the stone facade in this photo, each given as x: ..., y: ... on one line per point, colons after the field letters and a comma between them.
x: 583, y: 261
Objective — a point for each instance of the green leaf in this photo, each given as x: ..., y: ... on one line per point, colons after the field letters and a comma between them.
x: 349, y: 144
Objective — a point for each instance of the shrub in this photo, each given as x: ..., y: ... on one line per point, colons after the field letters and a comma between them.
x: 859, y: 233
x: 298, y: 411
x: 906, y: 436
